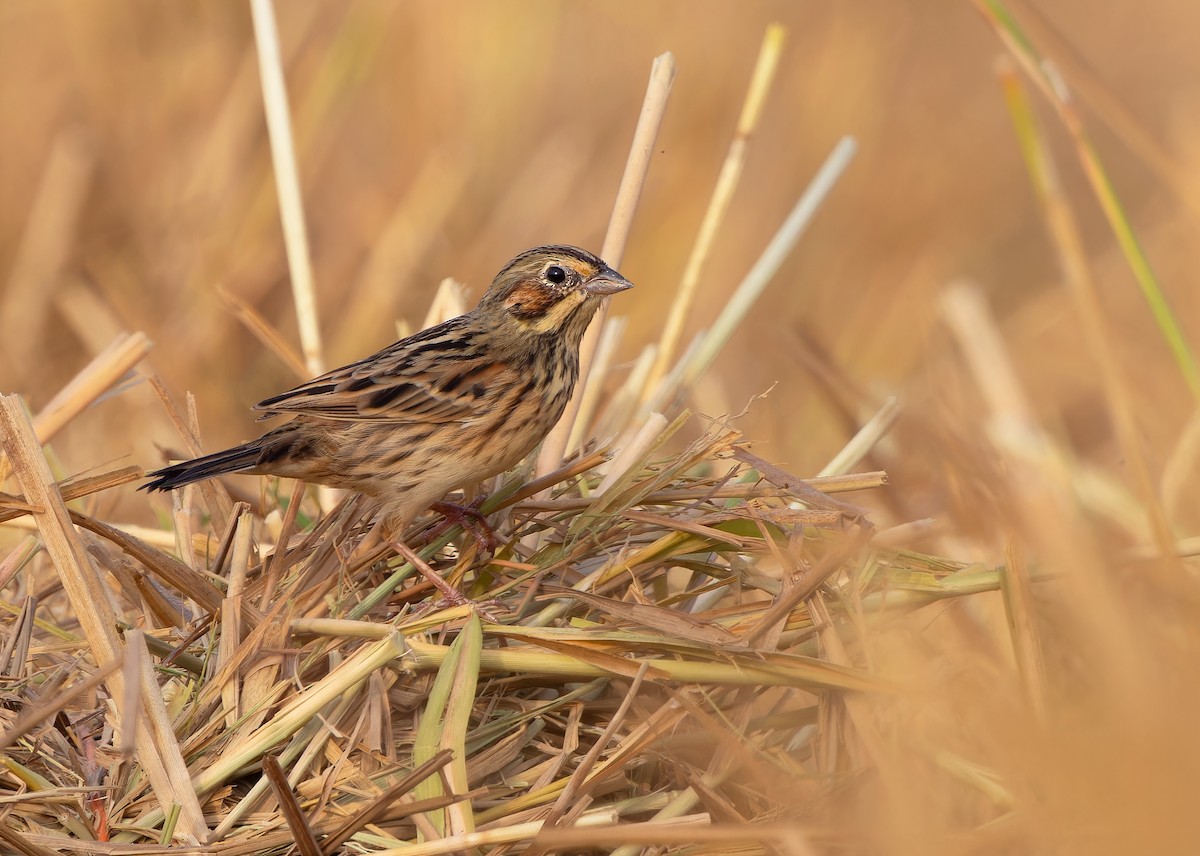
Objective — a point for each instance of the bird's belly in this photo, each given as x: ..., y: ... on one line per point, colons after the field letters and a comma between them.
x: 414, y: 464
x: 384, y: 461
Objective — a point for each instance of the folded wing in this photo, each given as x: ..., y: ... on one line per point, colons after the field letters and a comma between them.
x: 437, y: 376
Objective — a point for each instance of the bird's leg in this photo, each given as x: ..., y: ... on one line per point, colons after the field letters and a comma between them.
x: 450, y: 594
x: 470, y: 518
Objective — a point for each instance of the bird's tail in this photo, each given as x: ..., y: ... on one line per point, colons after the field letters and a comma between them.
x: 235, y: 460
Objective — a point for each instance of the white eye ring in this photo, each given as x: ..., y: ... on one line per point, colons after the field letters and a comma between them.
x: 556, y: 274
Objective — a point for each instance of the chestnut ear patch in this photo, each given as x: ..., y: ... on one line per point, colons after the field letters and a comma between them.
x: 529, y: 300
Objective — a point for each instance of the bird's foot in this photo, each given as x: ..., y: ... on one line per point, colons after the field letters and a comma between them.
x: 451, y: 596
x: 488, y: 609
x: 471, y: 519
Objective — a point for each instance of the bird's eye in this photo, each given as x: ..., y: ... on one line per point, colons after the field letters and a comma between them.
x: 556, y: 274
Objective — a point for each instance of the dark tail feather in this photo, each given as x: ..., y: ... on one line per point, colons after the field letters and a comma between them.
x: 237, y: 459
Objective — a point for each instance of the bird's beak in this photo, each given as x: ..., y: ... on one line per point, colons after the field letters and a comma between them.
x: 607, y: 282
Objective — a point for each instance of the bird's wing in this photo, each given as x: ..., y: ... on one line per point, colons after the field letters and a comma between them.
x: 438, y: 375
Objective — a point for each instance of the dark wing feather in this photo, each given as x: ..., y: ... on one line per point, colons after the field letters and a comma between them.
x: 438, y: 375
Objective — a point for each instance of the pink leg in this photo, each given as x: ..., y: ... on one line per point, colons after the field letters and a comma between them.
x: 450, y: 595
x: 470, y: 518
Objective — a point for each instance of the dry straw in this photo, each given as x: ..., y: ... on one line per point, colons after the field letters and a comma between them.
x: 677, y: 645
x: 287, y: 181
x: 277, y: 686
x: 662, y: 74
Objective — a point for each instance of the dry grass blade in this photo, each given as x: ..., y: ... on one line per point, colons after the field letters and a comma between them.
x: 32, y: 716
x: 714, y: 215
x: 1045, y: 75
x: 864, y: 441
x: 728, y: 668
x: 1020, y: 608
x: 173, y: 572
x: 805, y: 587
x: 1067, y: 236
x: 306, y: 842
x: 16, y: 649
x: 91, y: 600
x: 1040, y: 476
x: 798, y: 486
x: 215, y: 497
x: 19, y: 844
x: 299, y: 710
x: 1088, y: 84
x: 827, y: 484
x: 677, y: 624
x: 574, y: 799
x: 508, y: 834
x: 75, y: 488
x: 760, y: 275
x: 662, y: 73
x: 696, y: 830
x: 287, y: 181
x: 377, y: 806
x: 96, y: 378
x: 444, y: 728
x: 17, y: 559
x: 265, y: 332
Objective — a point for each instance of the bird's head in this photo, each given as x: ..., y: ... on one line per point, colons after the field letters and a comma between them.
x: 552, y: 290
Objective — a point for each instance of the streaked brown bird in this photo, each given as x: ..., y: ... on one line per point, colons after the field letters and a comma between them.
x: 439, y: 410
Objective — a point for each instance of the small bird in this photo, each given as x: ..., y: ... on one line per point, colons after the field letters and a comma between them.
x: 439, y: 410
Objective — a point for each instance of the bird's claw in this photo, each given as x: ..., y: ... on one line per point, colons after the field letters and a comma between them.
x: 470, y: 518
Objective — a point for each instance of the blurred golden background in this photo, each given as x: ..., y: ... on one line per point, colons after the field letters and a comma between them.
x: 439, y: 139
